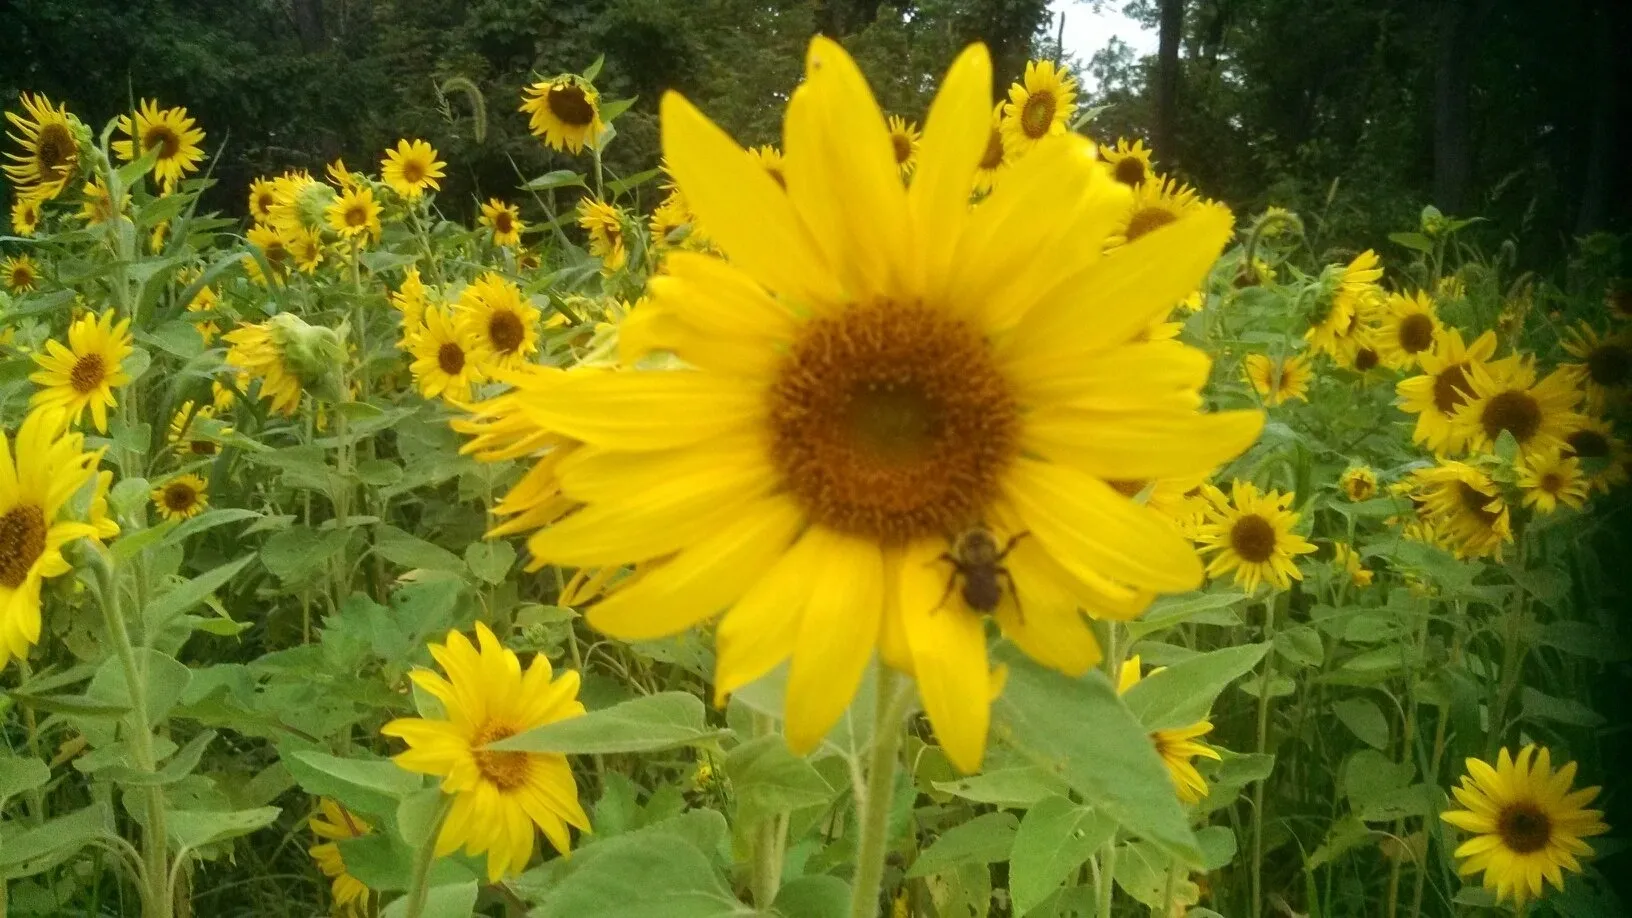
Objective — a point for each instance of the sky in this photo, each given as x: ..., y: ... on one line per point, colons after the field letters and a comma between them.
x: 1087, y: 32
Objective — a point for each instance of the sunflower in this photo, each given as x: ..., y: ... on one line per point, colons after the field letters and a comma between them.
x: 1606, y: 362
x: 1443, y: 387
x: 95, y: 205
x: 500, y: 432
x: 498, y: 797
x: 341, y: 177
x: 564, y: 112
x: 50, y: 152
x: 1252, y: 534
x: 105, y: 527
x: 411, y: 168
x: 167, y: 130
x: 305, y: 249
x: 221, y: 397
x: 1039, y: 106
x: 605, y: 228
x: 272, y: 249
x: 25, y: 216
x: 205, y: 302
x: 904, y: 140
x: 1179, y: 499
x: 1347, y: 560
x: 1507, y: 397
x: 255, y: 352
x: 21, y: 273
x: 1466, y: 507
x: 1129, y: 164
x: 1408, y: 328
x: 36, y: 484
x: 1353, y: 298
x: 262, y: 195
x: 1527, y: 824
x: 869, y: 374
x: 354, y: 215
x: 182, y: 497
x: 446, y: 357
x: 499, y: 321
x: 995, y: 156
x: 1550, y: 479
x: 85, y: 372
x: 301, y: 204
x: 1604, y: 453
x: 332, y: 823
x: 185, y: 427
x: 669, y: 217
x: 1158, y: 202
x: 1279, y: 381
x: 1358, y: 483
x: 1356, y: 348
x: 504, y: 221
x: 410, y: 299
x: 1178, y: 746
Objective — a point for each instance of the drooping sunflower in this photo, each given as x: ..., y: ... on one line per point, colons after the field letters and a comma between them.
x: 503, y: 222
x: 1347, y: 560
x: 50, y: 154
x: 1407, y: 328
x: 411, y: 168
x: 904, y: 140
x: 1606, y: 362
x: 301, y: 204
x: 1158, y: 202
x: 182, y: 497
x: 25, y: 216
x: 445, y: 356
x: 1279, y: 381
x: 1177, y: 747
x: 37, y: 481
x: 1604, y: 455
x: 256, y: 353
x: 564, y: 112
x: 22, y: 274
x: 84, y: 373
x: 1353, y: 298
x: 168, y: 130
x: 669, y: 217
x: 1358, y: 483
x: 499, y: 320
x: 1550, y: 479
x: 262, y: 195
x: 410, y: 299
x: 1507, y: 397
x: 498, y: 797
x: 1129, y: 163
x: 994, y: 157
x: 605, y: 227
x: 187, y: 436
x: 1251, y: 533
x: 105, y: 527
x: 96, y: 205
x: 272, y: 249
x: 1466, y: 507
x: 872, y: 372
x: 354, y: 215
x: 332, y: 823
x: 341, y: 177
x: 1443, y: 387
x: 1527, y: 824
x: 1040, y: 105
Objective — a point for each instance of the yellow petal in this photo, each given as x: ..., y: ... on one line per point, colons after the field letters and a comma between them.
x: 1140, y: 447
x: 949, y: 658
x: 836, y: 637
x: 645, y: 410
x: 760, y: 630
x: 955, y: 136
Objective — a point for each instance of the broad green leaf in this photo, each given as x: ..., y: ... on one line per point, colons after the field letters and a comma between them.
x: 179, y: 766
x: 1142, y: 870
x: 1020, y: 787
x: 1055, y: 838
x: 183, y: 597
x: 1542, y: 706
x: 560, y: 178
x: 1368, y: 776
x: 1184, y: 693
x: 18, y: 774
x: 1582, y: 640
x: 490, y: 560
x: 450, y: 900
x: 1364, y: 719
x: 166, y: 678
x: 1301, y: 645
x: 667, y: 720
x: 643, y: 875
x: 406, y: 550
x: 372, y: 786
x: 1415, y: 800
x: 197, y: 828
x: 1218, y: 846
x: 767, y: 779
x: 299, y: 553
x: 42, y: 847
x: 984, y: 839
x: 1203, y: 608
x: 819, y: 896
x: 209, y: 519
x: 1414, y: 241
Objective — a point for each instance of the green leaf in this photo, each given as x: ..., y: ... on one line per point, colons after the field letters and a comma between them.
x: 298, y: 553
x: 42, y: 847
x: 768, y: 779
x: 166, y: 677
x: 1582, y: 640
x: 19, y: 774
x: 1414, y: 241
x: 1142, y: 871
x: 197, y: 828
x: 379, y: 262
x: 818, y: 896
x: 1218, y: 846
x: 614, y: 189
x: 984, y: 839
x: 647, y: 874
x: 160, y: 611
x: 1114, y: 765
x: 1369, y: 776
x: 1416, y: 800
x: 490, y: 560
x: 560, y: 178
x: 667, y: 720
x: 372, y: 786
x: 1183, y: 693
x: 1202, y: 608
x: 1055, y: 838
x: 180, y: 765
x: 379, y: 473
x: 451, y: 900
x: 406, y: 550
x: 209, y: 519
x: 1364, y: 719
x: 1301, y: 645
x: 1021, y: 787
x: 1541, y: 706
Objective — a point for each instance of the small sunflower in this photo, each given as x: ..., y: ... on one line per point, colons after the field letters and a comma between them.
x: 168, y: 130
x: 1347, y: 560
x: 105, y: 526
x: 499, y: 321
x: 769, y: 158
x: 354, y: 215
x: 904, y: 139
x: 333, y: 823
x: 1507, y: 397
x: 21, y: 272
x: 445, y: 357
x: 341, y: 177
x: 305, y: 249
x: 1606, y: 362
x: 1177, y: 746
x: 1604, y: 454
x: 605, y: 227
x: 1443, y: 388
x: 1550, y: 479
x: 564, y: 112
x: 205, y: 302
x: 994, y: 157
x: 1040, y: 105
x: 270, y: 244
x: 1158, y: 202
x: 95, y: 206
x: 185, y: 428
x: 84, y: 373
x: 1527, y: 825
x: 1129, y: 163
x: 1355, y: 296
x: 1358, y: 483
x: 1466, y: 507
x: 498, y: 797
x: 255, y: 352
x: 669, y: 217
x: 50, y: 154
x: 1179, y: 499
x: 1356, y: 348
x: 182, y: 497
x: 1279, y: 381
x: 410, y: 299
x: 262, y: 195
x: 25, y: 216
x: 1408, y: 328
x: 503, y: 222
x: 412, y: 168
x: 1252, y: 535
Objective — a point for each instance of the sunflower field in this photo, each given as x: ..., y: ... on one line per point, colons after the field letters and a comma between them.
x: 941, y: 513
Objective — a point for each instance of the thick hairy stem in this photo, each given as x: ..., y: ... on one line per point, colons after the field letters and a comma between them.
x: 1262, y: 745
x: 874, y: 798
x: 419, y: 886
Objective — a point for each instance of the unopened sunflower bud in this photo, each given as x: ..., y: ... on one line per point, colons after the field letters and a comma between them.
x: 313, y: 353
x: 312, y: 202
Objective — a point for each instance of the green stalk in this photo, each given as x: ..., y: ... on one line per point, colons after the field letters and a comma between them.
x: 1263, y: 743
x: 873, y: 798
x: 1432, y: 777
x: 419, y: 886
x: 1105, y: 890
x: 770, y: 841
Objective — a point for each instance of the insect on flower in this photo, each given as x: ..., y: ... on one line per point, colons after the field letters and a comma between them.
x: 975, y: 558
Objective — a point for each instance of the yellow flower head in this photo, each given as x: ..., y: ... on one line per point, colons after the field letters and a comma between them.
x: 205, y: 302
x: 499, y: 320
x: 1506, y: 397
x: 84, y: 373
x: 20, y: 272
x: 262, y: 195
x: 1353, y: 300
x: 498, y: 797
x: 769, y: 158
x: 182, y: 497
x: 994, y: 157
x: 1129, y: 163
x: 301, y: 204
x: 1408, y: 328
x: 1347, y: 560
x: 50, y: 153
x: 411, y: 168
x: 1466, y: 507
x: 1177, y: 746
x: 1251, y: 533
x: 446, y: 357
x: 354, y: 215
x: 25, y: 216
x: 168, y: 130
x: 270, y: 245
x: 107, y: 528
x: 1358, y: 483
x: 605, y: 227
x: 305, y: 249
x: 1278, y: 381
x: 564, y: 112
x: 1605, y: 365
x: 1604, y: 454
x: 1550, y: 479
x: 332, y: 823
x: 1443, y: 387
x: 187, y: 435
x: 1040, y: 105
x: 1158, y: 202
x: 904, y: 138
x: 256, y: 353
x: 96, y: 206
x: 503, y: 221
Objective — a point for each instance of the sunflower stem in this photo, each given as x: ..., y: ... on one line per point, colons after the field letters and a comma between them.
x: 1263, y: 743
x: 1432, y: 777
x: 419, y: 886
x: 1105, y: 890
x: 769, y: 842
x: 874, y: 798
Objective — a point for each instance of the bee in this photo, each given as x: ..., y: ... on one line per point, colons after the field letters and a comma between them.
x: 976, y: 559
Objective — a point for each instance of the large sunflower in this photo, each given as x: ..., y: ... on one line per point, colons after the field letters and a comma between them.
x: 353, y: 215
x: 1407, y: 328
x: 605, y: 227
x: 1466, y: 507
x: 498, y: 797
x: 1354, y: 297
x: 50, y: 154
x: 564, y: 112
x: 1527, y: 824
x: 1278, y: 381
x: 1605, y: 362
x: 333, y: 823
x: 499, y: 320
x: 36, y: 482
x: 503, y: 221
x: 1129, y: 164
x: 171, y: 132
x: 411, y: 168
x: 1177, y: 746
x: 1443, y: 387
x: 1040, y: 105
x: 446, y: 361
x: 20, y: 272
x: 182, y: 497
x: 85, y: 372
x: 1251, y: 531
x: 1550, y: 479
x: 1507, y: 397
x: 874, y: 372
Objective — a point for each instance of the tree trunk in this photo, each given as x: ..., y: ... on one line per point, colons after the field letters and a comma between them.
x: 1452, y: 145
x: 308, y: 18
x: 1167, y: 76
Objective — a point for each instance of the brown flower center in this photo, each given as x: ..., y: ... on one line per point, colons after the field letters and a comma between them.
x: 903, y: 147
x: 54, y: 150
x: 413, y: 171
x: 1451, y: 388
x: 357, y: 215
x: 1129, y: 171
x: 503, y: 225
x: 22, y: 541
x: 264, y: 202
x: 891, y: 422
x: 505, y: 770
x: 1416, y: 333
x: 161, y: 136
x: 1253, y: 538
x: 1552, y: 482
x: 994, y: 152
x: 569, y: 104
x: 1037, y: 115
x: 179, y: 496
x: 1513, y: 411
x: 201, y: 447
x: 505, y: 330
x: 451, y: 358
x: 88, y: 373
x: 1609, y: 365
x: 1147, y: 219
x: 1588, y: 444
x: 1524, y: 828
x: 1127, y: 487
x: 1365, y: 359
x: 1476, y: 502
